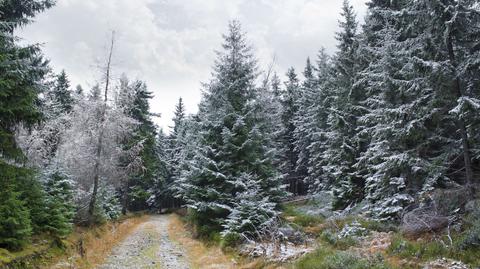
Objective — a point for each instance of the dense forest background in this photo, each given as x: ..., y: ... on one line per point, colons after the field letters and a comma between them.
x: 385, y: 122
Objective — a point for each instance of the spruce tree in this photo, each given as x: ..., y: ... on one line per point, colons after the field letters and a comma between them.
x: 15, y: 219
x: 289, y: 111
x: 136, y: 105
x: 231, y: 144
x: 59, y: 201
x: 177, y: 152
x: 61, y: 95
x: 22, y: 70
x: 316, y: 124
x: 343, y: 149
x: 303, y: 128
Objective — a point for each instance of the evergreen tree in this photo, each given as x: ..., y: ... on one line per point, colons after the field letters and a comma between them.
x: 315, y: 123
x: 289, y: 151
x: 15, y: 219
x: 177, y: 152
x: 251, y: 213
x: 136, y: 105
x: 302, y: 133
x: 22, y: 70
x: 160, y: 191
x: 343, y: 149
x: 61, y: 95
x: 231, y: 142
x: 59, y: 202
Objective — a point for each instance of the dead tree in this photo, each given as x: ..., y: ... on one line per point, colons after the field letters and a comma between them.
x: 101, y: 126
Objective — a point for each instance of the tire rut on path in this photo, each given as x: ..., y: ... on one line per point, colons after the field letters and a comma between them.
x: 149, y: 246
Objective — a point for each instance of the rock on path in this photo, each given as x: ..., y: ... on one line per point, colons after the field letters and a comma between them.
x: 148, y: 247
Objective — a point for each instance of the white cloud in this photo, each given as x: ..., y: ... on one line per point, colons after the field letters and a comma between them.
x: 170, y: 43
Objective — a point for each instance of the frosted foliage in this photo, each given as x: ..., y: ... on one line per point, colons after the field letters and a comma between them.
x: 77, y: 151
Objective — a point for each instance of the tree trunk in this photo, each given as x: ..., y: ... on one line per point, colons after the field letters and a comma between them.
x: 98, y: 153
x: 461, y: 123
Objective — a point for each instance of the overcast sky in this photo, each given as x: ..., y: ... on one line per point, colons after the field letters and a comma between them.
x: 170, y: 43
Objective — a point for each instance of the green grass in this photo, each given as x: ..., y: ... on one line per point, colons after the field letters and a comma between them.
x: 328, y: 258
x: 431, y: 250
x: 301, y: 219
x: 378, y: 226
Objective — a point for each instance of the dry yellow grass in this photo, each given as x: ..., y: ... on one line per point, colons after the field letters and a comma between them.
x: 199, y: 255
x: 97, y: 243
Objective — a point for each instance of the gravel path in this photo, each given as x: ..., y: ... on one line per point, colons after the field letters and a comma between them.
x: 148, y: 247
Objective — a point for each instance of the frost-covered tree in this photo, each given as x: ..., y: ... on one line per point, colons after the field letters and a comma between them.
x: 315, y: 123
x: 78, y: 151
x: 173, y: 155
x: 60, y: 205
x: 303, y: 127
x: 231, y: 143
x: 142, y: 164
x: 343, y: 149
x: 288, y: 113
x: 450, y: 53
x: 252, y: 211
x: 40, y: 143
x: 62, y: 100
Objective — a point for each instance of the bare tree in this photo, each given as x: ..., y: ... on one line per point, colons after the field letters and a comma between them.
x: 96, y: 171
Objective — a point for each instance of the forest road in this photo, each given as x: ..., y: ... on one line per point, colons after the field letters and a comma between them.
x: 149, y: 246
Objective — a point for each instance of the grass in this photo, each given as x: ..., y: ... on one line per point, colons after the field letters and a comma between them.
x: 97, y: 243
x: 301, y: 219
x: 329, y: 258
x: 426, y: 250
x: 200, y: 255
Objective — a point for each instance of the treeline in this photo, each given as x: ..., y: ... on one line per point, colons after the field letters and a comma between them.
x: 391, y: 116
x: 68, y: 156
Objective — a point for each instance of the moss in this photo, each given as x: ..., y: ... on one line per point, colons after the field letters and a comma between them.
x: 31, y: 256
